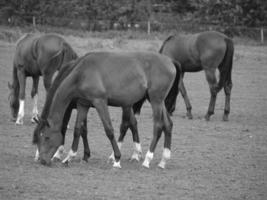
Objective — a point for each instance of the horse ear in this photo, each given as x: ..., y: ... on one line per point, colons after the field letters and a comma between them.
x: 9, y: 85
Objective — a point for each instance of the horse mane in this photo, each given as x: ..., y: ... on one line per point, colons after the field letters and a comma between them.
x: 165, y: 41
x: 62, y: 74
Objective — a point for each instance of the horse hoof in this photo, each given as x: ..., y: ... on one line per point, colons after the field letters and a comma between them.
x: 225, y: 118
x: 135, y: 157
x: 117, y: 164
x: 162, y: 165
x: 56, y: 159
x: 189, y: 116
x: 19, y: 123
x: 66, y: 163
x: 207, y: 118
x: 145, y: 164
x: 111, y: 158
x: 85, y: 159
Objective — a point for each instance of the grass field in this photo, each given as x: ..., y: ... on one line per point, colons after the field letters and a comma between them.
x: 210, y: 160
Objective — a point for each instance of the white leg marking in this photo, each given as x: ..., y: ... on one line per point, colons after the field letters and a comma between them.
x: 21, y: 112
x: 36, y: 158
x: 137, y: 154
x: 111, y: 158
x: 117, y: 164
x: 59, y: 153
x: 166, y: 155
x: 35, y: 108
x: 70, y: 156
x: 148, y: 158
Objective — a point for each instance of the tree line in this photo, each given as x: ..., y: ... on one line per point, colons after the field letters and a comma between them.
x: 91, y: 13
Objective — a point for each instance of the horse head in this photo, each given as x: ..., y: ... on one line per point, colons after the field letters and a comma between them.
x: 13, y: 101
x: 46, y: 139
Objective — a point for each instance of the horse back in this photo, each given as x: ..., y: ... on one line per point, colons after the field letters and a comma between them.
x: 122, y: 77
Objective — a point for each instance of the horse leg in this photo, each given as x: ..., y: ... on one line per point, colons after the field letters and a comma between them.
x: 212, y: 81
x: 186, y: 98
x: 102, y: 110
x: 86, y: 152
x: 79, y: 124
x: 129, y: 121
x: 157, y: 109
x: 59, y: 153
x: 167, y: 128
x: 22, y: 84
x: 227, y: 91
x: 34, y: 95
x: 47, y: 78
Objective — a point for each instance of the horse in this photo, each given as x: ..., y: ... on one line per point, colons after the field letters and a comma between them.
x: 82, y: 130
x: 120, y: 79
x: 35, y: 56
x: 206, y: 51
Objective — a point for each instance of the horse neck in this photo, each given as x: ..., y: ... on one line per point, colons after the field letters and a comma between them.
x: 62, y: 98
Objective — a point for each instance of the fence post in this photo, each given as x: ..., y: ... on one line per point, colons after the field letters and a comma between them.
x: 262, y: 36
x: 33, y: 21
x: 148, y: 27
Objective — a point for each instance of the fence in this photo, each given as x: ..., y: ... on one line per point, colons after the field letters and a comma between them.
x: 258, y: 33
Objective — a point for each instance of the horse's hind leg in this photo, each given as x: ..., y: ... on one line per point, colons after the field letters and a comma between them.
x: 212, y: 81
x: 102, y: 109
x: 86, y: 151
x: 167, y: 128
x: 227, y: 90
x: 34, y: 95
x: 186, y: 99
x: 22, y: 84
x: 129, y: 121
x: 157, y: 109
x: 81, y: 119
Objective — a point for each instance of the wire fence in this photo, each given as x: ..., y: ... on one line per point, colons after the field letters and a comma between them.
x: 257, y: 33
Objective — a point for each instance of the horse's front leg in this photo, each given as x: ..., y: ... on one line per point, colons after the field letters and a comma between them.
x: 22, y: 83
x: 47, y: 78
x: 102, y: 110
x: 34, y: 95
x: 81, y: 119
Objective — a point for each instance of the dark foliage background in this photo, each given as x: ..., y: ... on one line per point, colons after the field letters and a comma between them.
x: 122, y: 14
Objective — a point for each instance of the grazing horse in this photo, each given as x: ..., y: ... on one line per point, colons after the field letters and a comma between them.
x: 206, y: 51
x: 81, y: 129
x: 116, y: 79
x: 35, y: 55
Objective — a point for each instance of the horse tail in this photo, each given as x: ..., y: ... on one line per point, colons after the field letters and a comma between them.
x: 165, y: 41
x: 138, y: 105
x: 170, y: 100
x: 226, y: 65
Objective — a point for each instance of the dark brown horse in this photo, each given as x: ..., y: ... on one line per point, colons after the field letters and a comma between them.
x: 117, y: 79
x: 206, y: 51
x: 81, y: 128
x: 35, y: 55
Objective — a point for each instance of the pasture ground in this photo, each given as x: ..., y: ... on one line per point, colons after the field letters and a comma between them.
x: 210, y: 160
